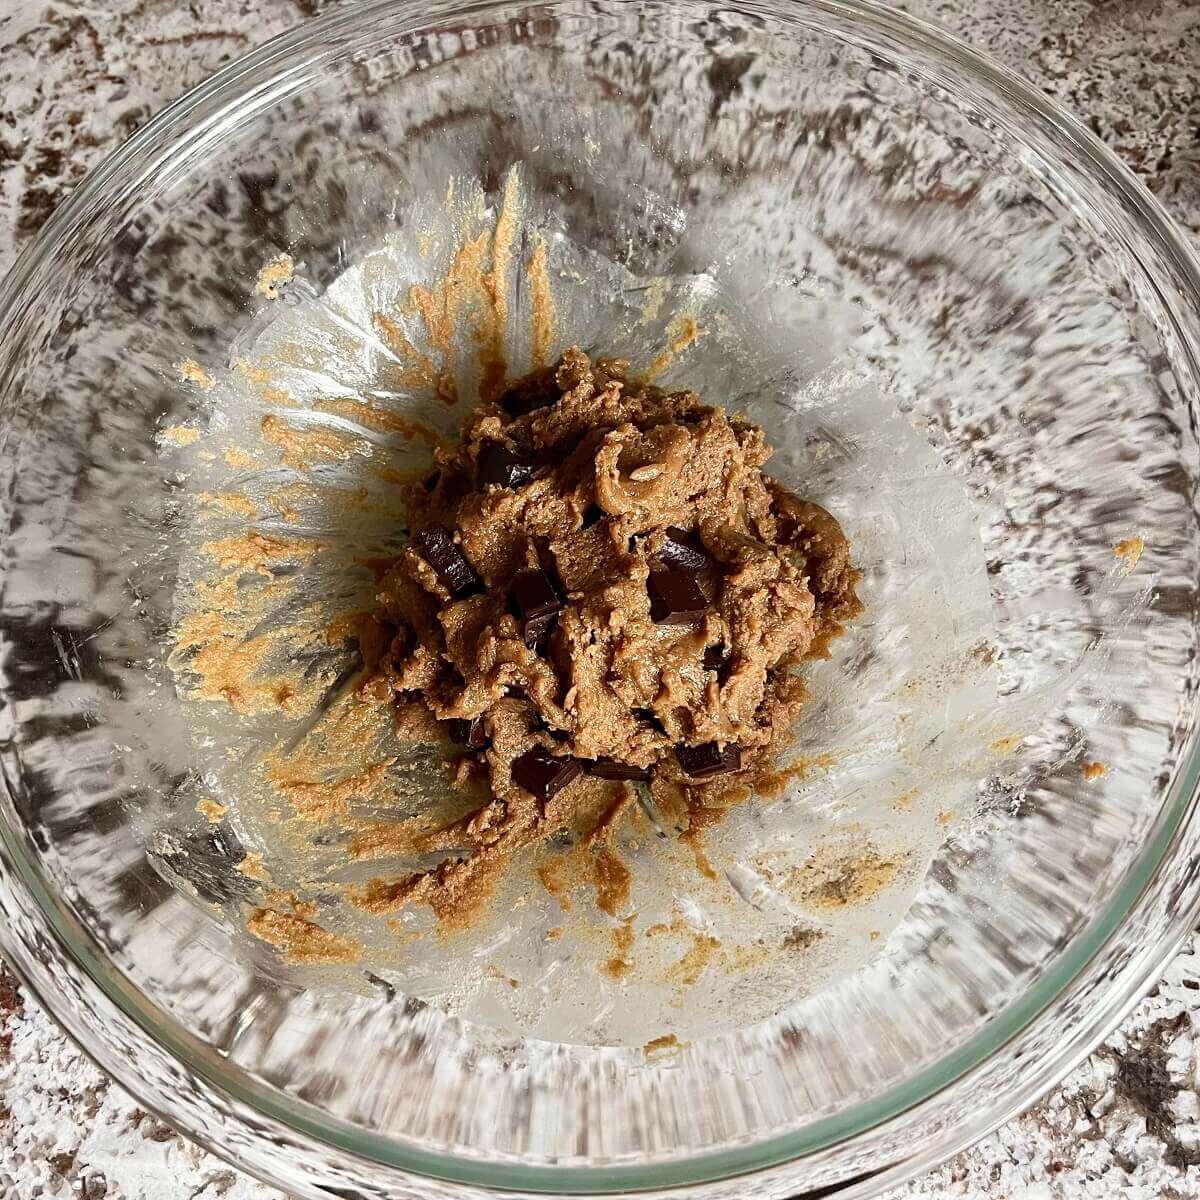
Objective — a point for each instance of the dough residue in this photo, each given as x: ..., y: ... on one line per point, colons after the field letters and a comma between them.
x: 274, y: 275
x: 836, y: 876
x: 1129, y: 550
x: 180, y: 435
x: 387, y: 681
x: 211, y: 809
x: 190, y: 371
x: 301, y: 940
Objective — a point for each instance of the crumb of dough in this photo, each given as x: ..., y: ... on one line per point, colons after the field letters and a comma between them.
x: 1093, y: 770
x: 594, y: 489
x: 945, y: 817
x: 302, y: 941
x: 258, y: 375
x: 1008, y: 743
x: 618, y: 965
x: 275, y: 274
x: 209, y: 808
x: 801, y: 937
x: 663, y: 1049
x: 1130, y: 550
x: 252, y: 866
x: 180, y: 435
x: 693, y: 964
x: 239, y: 460
x: 612, y: 883
x: 836, y: 877
x: 905, y: 799
x: 874, y: 935
x: 190, y: 371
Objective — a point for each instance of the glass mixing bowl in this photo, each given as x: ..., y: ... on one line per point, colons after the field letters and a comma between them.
x: 964, y: 325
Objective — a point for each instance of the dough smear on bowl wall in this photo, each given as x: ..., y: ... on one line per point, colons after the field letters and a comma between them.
x: 533, y: 641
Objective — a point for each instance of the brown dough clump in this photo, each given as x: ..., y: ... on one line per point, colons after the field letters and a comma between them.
x: 604, y: 469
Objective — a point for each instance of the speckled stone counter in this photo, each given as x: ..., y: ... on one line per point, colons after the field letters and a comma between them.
x: 77, y: 78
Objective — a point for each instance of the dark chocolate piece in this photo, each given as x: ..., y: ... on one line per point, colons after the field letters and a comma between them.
x: 470, y: 733
x: 609, y: 768
x: 500, y: 465
x: 537, y: 604
x: 536, y: 391
x: 538, y: 630
x: 676, y: 597
x: 435, y: 544
x: 548, y: 563
x: 543, y: 775
x: 683, y: 551
x: 715, y: 657
x: 431, y: 480
x: 702, y: 761
x: 649, y: 717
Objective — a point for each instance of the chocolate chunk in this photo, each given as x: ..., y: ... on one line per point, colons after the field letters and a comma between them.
x: 470, y: 733
x: 500, y: 465
x: 548, y: 563
x: 431, y: 480
x: 683, y: 551
x: 676, y: 597
x: 715, y: 657
x: 649, y: 717
x: 537, y: 604
x: 536, y: 391
x: 543, y: 775
x: 538, y: 630
x: 435, y: 545
x: 609, y: 768
x: 702, y: 761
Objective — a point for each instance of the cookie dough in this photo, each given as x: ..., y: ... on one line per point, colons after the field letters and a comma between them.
x: 602, y: 589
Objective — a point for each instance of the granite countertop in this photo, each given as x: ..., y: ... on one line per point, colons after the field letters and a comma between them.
x: 76, y: 78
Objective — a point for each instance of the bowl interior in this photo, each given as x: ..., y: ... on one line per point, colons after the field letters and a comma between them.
x: 950, y: 344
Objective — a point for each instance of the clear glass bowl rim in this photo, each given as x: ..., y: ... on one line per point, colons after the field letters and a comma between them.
x: 292, y: 1145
